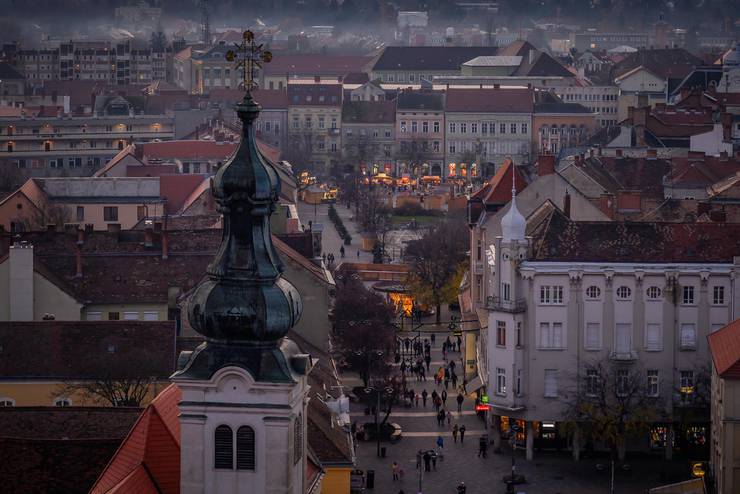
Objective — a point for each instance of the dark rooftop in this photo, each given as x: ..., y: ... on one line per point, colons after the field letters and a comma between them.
x: 559, y: 239
x: 429, y: 58
x: 420, y: 100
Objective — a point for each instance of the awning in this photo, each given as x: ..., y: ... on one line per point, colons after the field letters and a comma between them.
x: 474, y: 385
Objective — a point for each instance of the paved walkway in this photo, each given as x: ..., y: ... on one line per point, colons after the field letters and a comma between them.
x: 548, y: 473
x: 330, y: 240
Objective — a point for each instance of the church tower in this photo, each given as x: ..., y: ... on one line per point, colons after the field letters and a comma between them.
x: 244, y: 391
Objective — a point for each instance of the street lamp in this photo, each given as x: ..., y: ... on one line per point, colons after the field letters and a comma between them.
x: 378, y: 392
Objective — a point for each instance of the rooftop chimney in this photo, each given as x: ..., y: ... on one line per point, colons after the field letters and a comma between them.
x: 78, y: 260
x: 21, y: 279
x: 619, y: 153
x: 566, y: 204
x: 545, y: 165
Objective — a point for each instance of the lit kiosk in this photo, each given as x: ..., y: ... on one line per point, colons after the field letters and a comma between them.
x: 244, y: 391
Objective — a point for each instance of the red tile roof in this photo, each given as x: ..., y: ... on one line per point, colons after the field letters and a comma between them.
x: 177, y: 188
x: 724, y: 344
x: 497, y: 190
x: 153, y: 447
x: 506, y: 100
x: 314, y: 94
x: 316, y: 65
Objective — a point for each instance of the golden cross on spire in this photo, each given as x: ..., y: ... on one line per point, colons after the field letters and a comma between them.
x: 249, y: 57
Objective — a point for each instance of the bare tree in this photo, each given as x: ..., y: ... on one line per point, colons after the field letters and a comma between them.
x: 116, y: 392
x: 436, y: 264
x: 609, y: 401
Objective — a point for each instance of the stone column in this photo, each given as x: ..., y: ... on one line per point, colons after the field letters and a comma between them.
x: 638, y: 313
x: 607, y: 324
x: 529, y: 433
x: 576, y: 442
x: 703, y: 325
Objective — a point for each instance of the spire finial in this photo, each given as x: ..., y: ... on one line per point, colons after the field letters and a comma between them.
x: 249, y: 56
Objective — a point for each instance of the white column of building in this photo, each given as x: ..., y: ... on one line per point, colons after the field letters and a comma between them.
x: 670, y: 342
x: 575, y: 330
x: 638, y: 313
x: 607, y: 323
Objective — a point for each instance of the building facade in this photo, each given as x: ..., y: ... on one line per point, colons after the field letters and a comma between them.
x: 74, y: 145
x: 601, y: 100
x: 369, y: 139
x: 570, y: 305
x: 484, y: 127
x: 420, y: 133
x: 725, y: 460
x: 315, y: 126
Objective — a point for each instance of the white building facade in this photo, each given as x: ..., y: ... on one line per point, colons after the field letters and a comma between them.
x: 548, y: 320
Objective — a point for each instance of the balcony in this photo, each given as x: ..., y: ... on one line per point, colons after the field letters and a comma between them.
x: 512, y: 306
x: 629, y: 356
x: 333, y: 132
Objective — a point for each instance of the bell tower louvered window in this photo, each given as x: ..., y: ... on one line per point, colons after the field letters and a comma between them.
x: 245, y: 457
x: 224, y: 447
x: 298, y: 439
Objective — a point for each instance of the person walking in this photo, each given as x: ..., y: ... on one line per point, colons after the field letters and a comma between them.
x: 460, y: 399
x: 455, y: 432
x: 358, y: 254
x: 416, y: 400
x: 441, y: 418
x: 482, y: 446
x: 444, y: 397
x: 341, y: 251
x: 459, y: 343
x: 438, y: 403
x: 434, y: 461
x: 454, y: 380
x: 434, y: 337
x: 424, y: 397
x: 461, y: 489
x: 449, y: 417
x: 462, y: 433
x: 447, y: 382
x: 427, y: 462
x: 394, y: 469
x: 428, y: 360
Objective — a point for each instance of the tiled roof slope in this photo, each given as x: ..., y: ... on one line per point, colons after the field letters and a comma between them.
x: 429, y: 58
x: 560, y: 239
x: 490, y: 100
x: 119, y: 268
x: 148, y: 460
x: 60, y: 350
x: 724, y: 345
x: 59, y: 449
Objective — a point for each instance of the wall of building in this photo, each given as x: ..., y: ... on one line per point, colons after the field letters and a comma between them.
x: 726, y: 434
x: 47, y: 298
x: 35, y: 393
x: 142, y: 312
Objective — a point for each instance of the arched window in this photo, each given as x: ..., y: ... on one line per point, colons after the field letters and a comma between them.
x: 224, y: 447
x: 245, y: 456
x: 593, y: 292
x: 654, y: 292
x: 298, y: 439
x: 624, y: 293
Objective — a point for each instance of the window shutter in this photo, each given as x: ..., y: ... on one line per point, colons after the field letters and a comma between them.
x: 245, y: 455
x: 544, y: 335
x: 653, y: 337
x: 592, y: 335
x: 557, y: 335
x: 223, y: 447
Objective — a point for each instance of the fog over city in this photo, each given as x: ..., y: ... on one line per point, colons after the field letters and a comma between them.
x: 370, y: 246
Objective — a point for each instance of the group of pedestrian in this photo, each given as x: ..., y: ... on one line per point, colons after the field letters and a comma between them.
x: 329, y: 258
